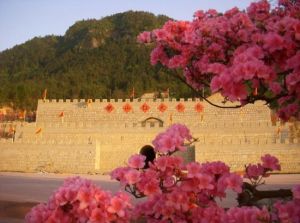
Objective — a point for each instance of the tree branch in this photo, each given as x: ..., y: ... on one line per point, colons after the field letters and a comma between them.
x: 177, y: 76
x: 250, y: 195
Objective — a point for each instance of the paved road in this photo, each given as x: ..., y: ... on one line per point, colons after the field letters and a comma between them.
x: 38, y: 187
x: 22, y: 187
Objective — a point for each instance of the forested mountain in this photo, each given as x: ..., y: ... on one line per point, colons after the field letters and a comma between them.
x: 94, y: 59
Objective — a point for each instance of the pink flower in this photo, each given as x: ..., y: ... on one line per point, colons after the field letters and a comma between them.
x: 151, y: 188
x: 166, y: 143
x: 210, y: 214
x: 296, y: 192
x: 132, y: 176
x: 234, y: 182
x: 292, y: 109
x: 215, y: 84
x: 158, y: 55
x: 144, y: 37
x: 178, y: 200
x: 259, y: 10
x: 288, y: 212
x: 297, y: 30
x: 117, y: 206
x: 98, y: 215
x: 254, y: 171
x: 294, y: 61
x: 275, y: 88
x: 273, y: 42
x: 161, y: 163
x: 216, y: 68
x: 181, y: 130
x: 212, y: 13
x: 136, y: 161
x: 193, y: 169
x: 232, y: 12
x: 243, y: 35
x: 84, y: 196
x: 270, y: 162
x: 169, y: 181
x: 172, y: 139
x: 293, y: 80
x: 161, y: 34
x: 205, y: 181
x: 247, y: 215
x: 237, y: 92
x: 199, y: 14
x: 119, y: 174
x: 177, y: 61
x: 215, y: 51
x: 215, y: 168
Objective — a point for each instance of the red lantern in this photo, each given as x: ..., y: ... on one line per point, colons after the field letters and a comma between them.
x: 109, y: 108
x: 127, y: 108
x: 180, y: 107
x: 162, y: 107
x: 145, y: 107
x: 199, y: 107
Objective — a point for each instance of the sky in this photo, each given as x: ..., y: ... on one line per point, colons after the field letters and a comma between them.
x: 21, y: 20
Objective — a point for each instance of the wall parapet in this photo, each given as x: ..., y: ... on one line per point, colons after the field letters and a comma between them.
x: 97, y: 100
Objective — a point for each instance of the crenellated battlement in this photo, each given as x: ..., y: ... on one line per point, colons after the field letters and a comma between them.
x: 135, y: 100
x: 118, y: 106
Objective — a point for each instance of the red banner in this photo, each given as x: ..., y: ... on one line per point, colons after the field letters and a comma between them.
x: 109, y: 108
x: 162, y: 107
x: 199, y: 107
x: 180, y: 107
x: 145, y: 107
x: 127, y: 108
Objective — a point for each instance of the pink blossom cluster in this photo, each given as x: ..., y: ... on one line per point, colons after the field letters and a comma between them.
x: 255, y: 172
x: 172, y: 139
x: 162, y: 172
x: 179, y: 192
x: 246, y: 55
x: 79, y: 200
x: 289, y: 211
x: 176, y: 191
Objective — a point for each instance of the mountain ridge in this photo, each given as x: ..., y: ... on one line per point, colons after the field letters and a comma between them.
x: 94, y: 59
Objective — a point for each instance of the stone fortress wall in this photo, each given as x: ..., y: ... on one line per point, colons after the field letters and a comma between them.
x: 95, y: 136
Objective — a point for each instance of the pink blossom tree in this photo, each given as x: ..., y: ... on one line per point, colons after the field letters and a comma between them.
x: 245, y: 55
x: 178, y: 192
